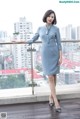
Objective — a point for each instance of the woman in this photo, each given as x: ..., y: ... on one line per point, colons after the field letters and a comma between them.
x: 51, y: 53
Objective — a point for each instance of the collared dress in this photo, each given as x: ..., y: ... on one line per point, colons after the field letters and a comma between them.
x: 51, y: 45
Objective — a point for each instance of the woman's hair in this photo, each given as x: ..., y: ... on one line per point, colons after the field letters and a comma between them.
x: 47, y: 13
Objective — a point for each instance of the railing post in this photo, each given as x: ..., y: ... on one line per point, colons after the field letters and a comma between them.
x: 32, y: 71
x: 32, y: 74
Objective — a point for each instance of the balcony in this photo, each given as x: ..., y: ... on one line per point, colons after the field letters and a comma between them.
x: 24, y: 102
x: 70, y: 110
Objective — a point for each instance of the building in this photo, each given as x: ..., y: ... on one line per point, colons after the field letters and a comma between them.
x: 3, y: 36
x: 66, y: 32
x: 22, y: 32
x: 78, y: 33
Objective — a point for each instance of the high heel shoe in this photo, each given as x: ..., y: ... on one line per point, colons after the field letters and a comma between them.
x: 51, y: 102
x: 58, y: 110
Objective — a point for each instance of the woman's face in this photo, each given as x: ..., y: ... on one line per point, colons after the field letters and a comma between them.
x: 50, y: 18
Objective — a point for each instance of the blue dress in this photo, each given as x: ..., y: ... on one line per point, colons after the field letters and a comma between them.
x: 51, y: 45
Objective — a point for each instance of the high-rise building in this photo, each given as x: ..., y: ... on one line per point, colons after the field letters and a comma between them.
x: 3, y: 36
x: 66, y: 32
x: 63, y: 33
x: 22, y: 32
x: 22, y: 29
x: 74, y: 33
x: 78, y: 33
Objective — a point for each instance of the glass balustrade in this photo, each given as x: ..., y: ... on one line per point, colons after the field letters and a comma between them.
x: 21, y: 67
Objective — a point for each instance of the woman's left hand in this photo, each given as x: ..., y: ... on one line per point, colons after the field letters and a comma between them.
x: 60, y: 57
x: 60, y: 61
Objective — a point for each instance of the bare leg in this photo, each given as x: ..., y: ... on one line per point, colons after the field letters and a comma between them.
x: 51, y: 97
x: 53, y: 91
x: 55, y: 79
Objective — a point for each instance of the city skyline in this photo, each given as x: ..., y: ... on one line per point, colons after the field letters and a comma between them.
x: 11, y: 11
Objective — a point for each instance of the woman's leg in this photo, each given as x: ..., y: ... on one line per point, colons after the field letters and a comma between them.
x: 52, y: 84
x: 55, y: 79
x: 51, y: 97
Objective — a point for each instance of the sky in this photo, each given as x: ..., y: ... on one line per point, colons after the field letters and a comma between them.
x: 33, y: 10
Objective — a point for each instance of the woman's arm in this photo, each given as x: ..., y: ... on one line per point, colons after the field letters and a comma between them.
x: 34, y: 38
x: 59, y: 45
x: 58, y: 39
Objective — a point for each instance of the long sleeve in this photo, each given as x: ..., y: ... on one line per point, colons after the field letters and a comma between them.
x: 58, y: 39
x: 34, y: 38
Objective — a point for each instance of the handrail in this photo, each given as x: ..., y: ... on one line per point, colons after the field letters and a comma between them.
x: 24, y: 42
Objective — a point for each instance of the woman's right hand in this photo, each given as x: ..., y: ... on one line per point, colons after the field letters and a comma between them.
x: 29, y: 42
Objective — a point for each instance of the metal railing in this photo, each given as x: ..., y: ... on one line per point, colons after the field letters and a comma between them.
x: 31, y: 50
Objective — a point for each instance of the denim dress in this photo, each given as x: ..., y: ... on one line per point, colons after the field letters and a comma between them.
x: 51, y: 45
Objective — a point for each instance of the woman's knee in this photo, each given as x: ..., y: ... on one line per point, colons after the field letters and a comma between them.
x: 51, y: 77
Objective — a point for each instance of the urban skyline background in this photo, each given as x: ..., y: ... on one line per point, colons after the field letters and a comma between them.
x: 12, y: 10
x: 16, y: 58
x: 21, y: 20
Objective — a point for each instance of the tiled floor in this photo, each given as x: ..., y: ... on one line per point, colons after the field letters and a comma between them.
x: 70, y: 110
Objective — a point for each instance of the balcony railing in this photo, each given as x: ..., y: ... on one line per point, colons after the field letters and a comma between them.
x: 21, y: 69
